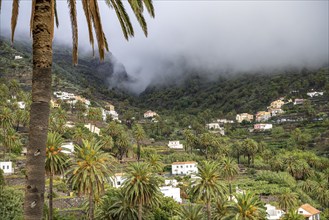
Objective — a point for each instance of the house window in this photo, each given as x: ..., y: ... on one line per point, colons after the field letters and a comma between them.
x: 8, y: 167
x: 181, y: 172
x: 186, y: 166
x: 118, y: 183
x: 3, y: 167
x: 177, y: 166
x: 301, y: 212
x: 181, y: 166
x: 191, y: 166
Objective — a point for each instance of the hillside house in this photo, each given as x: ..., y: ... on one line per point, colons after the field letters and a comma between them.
x: 172, y: 192
x: 309, y: 212
x: 64, y: 95
x: 69, y: 148
x: 150, y: 114
x: 262, y: 116
x: 7, y: 167
x: 118, y: 180
x: 225, y: 121
x: 263, y: 127
x: 109, y: 107
x: 54, y: 103
x: 299, y: 101
x: 18, y: 57
x: 175, y: 145
x: 276, y: 104
x: 82, y: 99
x: 92, y: 128
x: 314, y: 94
x: 111, y: 113
x: 272, y: 213
x: 184, y: 168
x: 275, y: 111
x: 213, y: 126
x: 244, y: 117
x: 21, y: 105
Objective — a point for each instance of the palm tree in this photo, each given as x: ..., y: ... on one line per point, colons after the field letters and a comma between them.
x: 42, y: 29
x: 141, y: 186
x: 292, y: 214
x: 228, y: 169
x: 246, y: 207
x: 56, y: 161
x: 12, y: 140
x: 154, y: 160
x: 220, y: 209
x: 90, y: 170
x: 114, y: 205
x: 250, y: 148
x: 287, y: 199
x: 139, y: 135
x: 191, y: 212
x: 207, y: 186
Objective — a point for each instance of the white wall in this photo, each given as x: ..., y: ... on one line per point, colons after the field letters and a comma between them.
x: 7, y: 167
x: 184, y: 169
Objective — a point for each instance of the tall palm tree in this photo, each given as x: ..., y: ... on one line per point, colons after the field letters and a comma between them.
x: 56, y: 161
x: 246, y: 207
x: 228, y: 169
x: 12, y: 140
x: 141, y: 186
x: 90, y: 171
x: 220, y: 209
x: 208, y: 185
x: 191, y: 212
x: 139, y: 135
x: 287, y: 199
x: 42, y: 29
x: 154, y: 160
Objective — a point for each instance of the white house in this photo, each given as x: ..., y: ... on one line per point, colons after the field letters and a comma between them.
x: 225, y: 121
x: 118, y: 180
x: 309, y: 212
x: 213, y: 126
x: 263, y: 116
x: 21, y: 104
x: 184, y: 168
x: 150, y: 114
x: 113, y: 114
x: 314, y: 94
x: 18, y: 57
x: 263, y: 126
x: 272, y: 213
x: 7, y: 167
x: 275, y: 111
x: 299, y: 101
x: 64, y: 95
x: 175, y: 145
x: 69, y: 148
x: 172, y: 192
x: 92, y: 128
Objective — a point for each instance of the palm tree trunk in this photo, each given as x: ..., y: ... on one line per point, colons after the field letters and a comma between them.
x: 138, y: 152
x: 140, y: 211
x: 208, y: 210
x: 91, y: 203
x: 39, y: 114
x: 230, y: 185
x: 51, y: 176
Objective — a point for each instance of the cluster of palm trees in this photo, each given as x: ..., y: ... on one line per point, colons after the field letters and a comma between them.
x: 12, y: 117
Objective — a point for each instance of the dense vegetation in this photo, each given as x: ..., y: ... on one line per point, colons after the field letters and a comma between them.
x: 287, y: 166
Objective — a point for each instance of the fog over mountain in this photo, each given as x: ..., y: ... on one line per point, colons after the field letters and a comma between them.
x: 214, y: 36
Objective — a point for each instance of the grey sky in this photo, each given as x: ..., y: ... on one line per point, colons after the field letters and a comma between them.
x: 215, y: 35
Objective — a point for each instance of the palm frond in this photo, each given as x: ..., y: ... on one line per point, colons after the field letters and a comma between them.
x: 56, y: 16
x: 149, y: 6
x: 14, y: 16
x: 98, y: 28
x: 85, y: 5
x: 123, y: 17
x: 137, y: 8
x: 32, y: 16
x: 73, y: 15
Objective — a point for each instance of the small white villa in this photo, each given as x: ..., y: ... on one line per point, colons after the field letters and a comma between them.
x: 69, y: 148
x: 273, y: 213
x: 309, y: 212
x: 314, y: 94
x: 92, y: 128
x: 175, y: 145
x: 172, y: 192
x: 213, y: 126
x: 18, y: 57
x: 21, y: 105
x: 150, y: 114
x: 263, y: 127
x: 118, y: 180
x: 7, y: 167
x: 225, y: 121
x: 184, y: 168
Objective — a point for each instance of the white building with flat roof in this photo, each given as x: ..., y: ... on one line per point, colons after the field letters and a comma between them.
x: 175, y: 145
x: 272, y: 213
x: 173, y: 192
x: 118, y: 180
x: 7, y: 167
x: 68, y: 148
x: 184, y: 168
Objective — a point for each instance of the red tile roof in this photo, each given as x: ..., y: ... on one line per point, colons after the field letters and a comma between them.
x: 310, y: 209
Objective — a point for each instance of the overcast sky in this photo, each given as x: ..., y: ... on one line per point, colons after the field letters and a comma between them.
x: 215, y: 35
